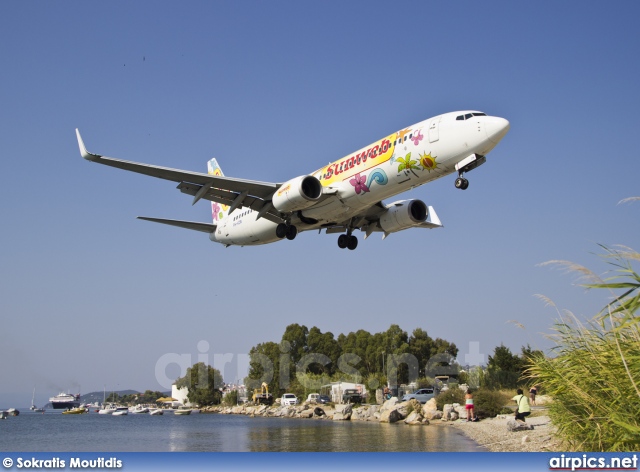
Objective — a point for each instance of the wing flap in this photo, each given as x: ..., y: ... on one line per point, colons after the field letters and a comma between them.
x: 226, y: 197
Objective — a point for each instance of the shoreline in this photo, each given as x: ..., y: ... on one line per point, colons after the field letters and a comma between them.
x: 490, y: 434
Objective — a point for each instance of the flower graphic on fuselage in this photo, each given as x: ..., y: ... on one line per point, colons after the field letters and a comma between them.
x: 215, y: 211
x: 360, y: 183
x: 417, y: 137
x: 428, y: 162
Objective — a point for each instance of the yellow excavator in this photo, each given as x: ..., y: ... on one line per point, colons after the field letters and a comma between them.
x: 261, y: 396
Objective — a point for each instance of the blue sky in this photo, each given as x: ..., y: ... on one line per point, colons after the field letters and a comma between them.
x: 91, y: 297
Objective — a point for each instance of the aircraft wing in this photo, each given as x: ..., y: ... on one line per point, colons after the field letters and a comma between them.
x: 219, y: 189
x: 193, y: 225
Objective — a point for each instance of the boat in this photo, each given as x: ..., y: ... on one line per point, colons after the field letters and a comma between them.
x: 33, y: 406
x: 65, y: 401
x: 75, y: 411
x: 3, y: 415
x: 13, y: 412
x: 120, y: 412
x: 156, y: 411
x: 183, y: 410
x: 138, y: 409
x: 112, y: 408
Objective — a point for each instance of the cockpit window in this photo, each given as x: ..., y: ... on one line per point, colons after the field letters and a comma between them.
x: 469, y: 115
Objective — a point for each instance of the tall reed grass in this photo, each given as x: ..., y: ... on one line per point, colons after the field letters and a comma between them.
x: 594, y: 372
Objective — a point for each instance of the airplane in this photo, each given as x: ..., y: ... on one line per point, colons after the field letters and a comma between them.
x: 341, y: 197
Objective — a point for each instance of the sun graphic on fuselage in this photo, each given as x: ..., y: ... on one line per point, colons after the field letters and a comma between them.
x: 428, y: 163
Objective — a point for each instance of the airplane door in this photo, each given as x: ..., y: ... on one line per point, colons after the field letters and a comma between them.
x: 434, y: 133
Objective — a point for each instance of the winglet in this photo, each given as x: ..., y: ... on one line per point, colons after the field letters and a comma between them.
x: 83, y: 150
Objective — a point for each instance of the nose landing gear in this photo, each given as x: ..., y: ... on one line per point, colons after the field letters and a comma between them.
x: 462, y: 183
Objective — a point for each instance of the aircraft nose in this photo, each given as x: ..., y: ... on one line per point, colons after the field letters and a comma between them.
x: 496, y: 128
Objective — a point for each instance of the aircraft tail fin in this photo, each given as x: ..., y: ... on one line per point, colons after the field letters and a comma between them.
x: 218, y: 211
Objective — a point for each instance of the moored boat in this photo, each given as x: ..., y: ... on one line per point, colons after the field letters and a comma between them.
x: 13, y: 412
x: 156, y: 411
x: 33, y: 405
x: 120, y: 413
x: 183, y: 410
x: 75, y: 411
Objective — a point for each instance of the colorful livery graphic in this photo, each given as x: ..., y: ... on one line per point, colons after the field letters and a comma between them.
x: 343, y: 196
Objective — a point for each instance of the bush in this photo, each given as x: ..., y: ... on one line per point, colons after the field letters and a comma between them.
x: 453, y: 395
x: 594, y: 378
x: 489, y: 403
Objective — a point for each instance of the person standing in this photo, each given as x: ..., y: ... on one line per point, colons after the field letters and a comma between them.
x: 469, y: 405
x: 532, y: 394
x: 523, y: 408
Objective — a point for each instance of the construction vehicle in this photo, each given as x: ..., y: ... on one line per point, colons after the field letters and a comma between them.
x: 261, y: 396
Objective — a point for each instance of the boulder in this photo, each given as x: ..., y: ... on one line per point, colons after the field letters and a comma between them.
x: 431, y: 405
x: 446, y: 412
x: 413, y: 418
x: 389, y: 404
x: 391, y: 416
x: 346, y: 408
x: 514, y: 425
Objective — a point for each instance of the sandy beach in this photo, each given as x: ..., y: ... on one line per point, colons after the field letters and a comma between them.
x: 492, y: 433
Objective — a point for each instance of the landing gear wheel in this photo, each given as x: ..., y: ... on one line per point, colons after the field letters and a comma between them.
x: 461, y: 183
x: 352, y: 243
x: 281, y: 230
x: 292, y: 232
x: 343, y: 241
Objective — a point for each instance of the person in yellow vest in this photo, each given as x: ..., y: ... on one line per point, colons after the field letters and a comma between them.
x: 523, y: 409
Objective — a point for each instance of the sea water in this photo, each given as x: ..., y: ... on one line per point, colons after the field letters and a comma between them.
x: 53, y: 431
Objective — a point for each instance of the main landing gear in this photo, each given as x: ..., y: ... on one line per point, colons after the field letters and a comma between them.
x: 347, y: 241
x: 462, y: 183
x: 284, y: 230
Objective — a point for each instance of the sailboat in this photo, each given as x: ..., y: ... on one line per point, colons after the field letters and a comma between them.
x: 33, y: 406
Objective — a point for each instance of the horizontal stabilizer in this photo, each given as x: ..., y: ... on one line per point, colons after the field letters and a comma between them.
x: 193, y: 225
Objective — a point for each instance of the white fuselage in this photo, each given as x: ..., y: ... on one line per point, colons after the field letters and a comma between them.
x: 418, y: 154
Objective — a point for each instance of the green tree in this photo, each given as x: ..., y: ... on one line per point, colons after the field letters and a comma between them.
x: 203, y: 384
x: 504, y: 369
x: 264, y: 366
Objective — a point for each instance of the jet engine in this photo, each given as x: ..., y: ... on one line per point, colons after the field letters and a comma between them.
x: 297, y: 194
x: 403, y: 215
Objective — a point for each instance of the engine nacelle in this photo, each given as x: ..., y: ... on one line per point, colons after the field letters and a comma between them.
x: 403, y: 215
x: 297, y: 194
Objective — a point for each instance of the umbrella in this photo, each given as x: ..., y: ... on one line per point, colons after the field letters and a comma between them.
x: 166, y: 399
